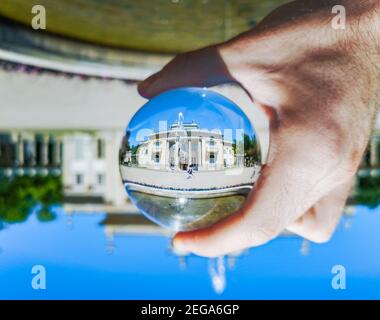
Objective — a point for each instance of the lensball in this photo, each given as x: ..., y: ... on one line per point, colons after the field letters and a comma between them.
x: 189, y: 158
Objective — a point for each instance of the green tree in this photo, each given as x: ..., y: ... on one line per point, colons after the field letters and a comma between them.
x: 368, y: 191
x: 20, y: 195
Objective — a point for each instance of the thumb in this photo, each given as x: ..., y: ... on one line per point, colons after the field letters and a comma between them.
x: 200, y: 68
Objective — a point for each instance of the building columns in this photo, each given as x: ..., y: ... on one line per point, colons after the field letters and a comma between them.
x: 199, y: 154
x: 12, y: 150
x: 220, y: 155
x: 189, y: 154
x: 31, y: 146
x: 205, y: 163
x: 57, y: 157
x: 374, y: 153
x: 166, y: 155
x: 45, y: 150
x: 176, y: 154
x: 20, y: 150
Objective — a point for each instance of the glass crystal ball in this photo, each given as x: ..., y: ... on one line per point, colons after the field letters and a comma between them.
x: 189, y: 158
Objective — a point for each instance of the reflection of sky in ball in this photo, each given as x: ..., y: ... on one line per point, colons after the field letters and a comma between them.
x: 207, y: 108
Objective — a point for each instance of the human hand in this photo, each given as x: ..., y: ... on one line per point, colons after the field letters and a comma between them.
x: 320, y: 89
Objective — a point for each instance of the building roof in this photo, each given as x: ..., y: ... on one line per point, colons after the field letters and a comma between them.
x: 186, y: 126
x: 189, y: 133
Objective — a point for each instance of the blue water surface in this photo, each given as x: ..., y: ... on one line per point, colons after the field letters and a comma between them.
x: 79, y: 266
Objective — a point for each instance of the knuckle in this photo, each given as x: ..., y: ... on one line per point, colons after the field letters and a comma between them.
x: 350, y: 164
x: 322, y: 233
x: 321, y: 236
x: 259, y: 235
x: 336, y: 155
x: 207, y: 245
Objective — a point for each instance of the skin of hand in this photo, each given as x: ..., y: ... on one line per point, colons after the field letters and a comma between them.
x: 320, y: 89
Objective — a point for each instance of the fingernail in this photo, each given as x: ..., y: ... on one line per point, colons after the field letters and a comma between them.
x: 149, y: 81
x: 143, y: 85
x: 179, y: 247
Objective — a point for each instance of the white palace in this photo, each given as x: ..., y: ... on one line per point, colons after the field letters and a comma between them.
x: 186, y: 145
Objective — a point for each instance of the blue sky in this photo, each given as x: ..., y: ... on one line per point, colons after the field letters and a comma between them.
x: 210, y: 110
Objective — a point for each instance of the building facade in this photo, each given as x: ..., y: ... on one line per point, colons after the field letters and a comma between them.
x: 85, y: 161
x: 90, y: 168
x: 28, y: 152
x: 183, y: 146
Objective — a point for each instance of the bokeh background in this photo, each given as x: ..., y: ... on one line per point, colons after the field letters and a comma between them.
x: 67, y: 94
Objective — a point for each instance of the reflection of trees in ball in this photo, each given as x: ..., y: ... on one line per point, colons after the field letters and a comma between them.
x: 127, y: 153
x: 250, y: 148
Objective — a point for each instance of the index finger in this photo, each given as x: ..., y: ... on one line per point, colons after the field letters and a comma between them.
x: 200, y: 68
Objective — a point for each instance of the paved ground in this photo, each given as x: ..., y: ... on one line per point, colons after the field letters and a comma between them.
x: 180, y: 180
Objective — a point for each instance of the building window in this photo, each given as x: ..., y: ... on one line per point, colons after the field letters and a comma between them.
x: 212, y: 158
x: 157, y: 158
x: 100, y: 149
x: 79, y: 179
x: 212, y: 141
x: 79, y: 149
x: 100, y: 179
x: 157, y: 143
